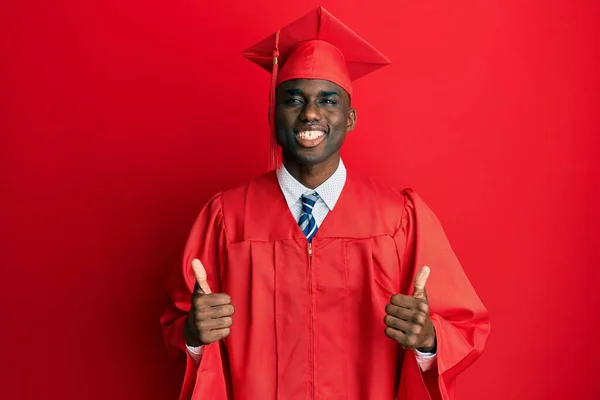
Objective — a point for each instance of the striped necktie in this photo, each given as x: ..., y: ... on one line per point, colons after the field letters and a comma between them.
x: 307, y: 222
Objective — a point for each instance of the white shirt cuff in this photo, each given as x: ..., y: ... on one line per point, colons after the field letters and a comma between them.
x: 195, y: 352
x: 426, y: 361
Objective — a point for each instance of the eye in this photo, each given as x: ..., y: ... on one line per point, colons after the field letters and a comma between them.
x: 328, y: 101
x: 293, y: 101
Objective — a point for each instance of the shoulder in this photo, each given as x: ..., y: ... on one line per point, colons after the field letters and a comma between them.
x: 376, y: 192
x: 263, y: 185
x: 239, y: 204
x: 384, y: 203
x: 400, y: 202
x: 231, y: 202
x: 405, y: 197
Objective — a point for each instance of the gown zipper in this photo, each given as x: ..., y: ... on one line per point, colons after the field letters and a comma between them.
x: 312, y: 318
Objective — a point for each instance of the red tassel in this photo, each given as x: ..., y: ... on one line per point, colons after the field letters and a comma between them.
x: 274, y: 150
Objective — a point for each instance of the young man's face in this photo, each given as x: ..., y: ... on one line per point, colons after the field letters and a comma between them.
x: 312, y: 117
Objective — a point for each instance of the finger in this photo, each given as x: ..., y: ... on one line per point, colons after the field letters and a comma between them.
x: 405, y: 340
x: 214, y: 323
x: 420, y: 281
x: 404, y: 301
x: 211, y: 300
x: 200, y: 274
x: 203, y: 313
x: 407, y: 327
x: 418, y: 316
x: 214, y: 335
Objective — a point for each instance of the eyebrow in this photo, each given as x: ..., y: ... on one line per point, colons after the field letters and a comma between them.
x: 322, y: 93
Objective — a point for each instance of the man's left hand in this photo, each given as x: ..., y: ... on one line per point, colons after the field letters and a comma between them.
x: 407, y: 320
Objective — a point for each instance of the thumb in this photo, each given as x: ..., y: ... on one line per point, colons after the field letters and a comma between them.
x: 200, y: 274
x: 420, y: 281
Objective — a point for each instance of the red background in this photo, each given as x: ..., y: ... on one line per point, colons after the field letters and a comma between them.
x: 120, y: 118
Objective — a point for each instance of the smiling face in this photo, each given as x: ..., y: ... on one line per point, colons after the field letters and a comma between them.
x: 312, y: 118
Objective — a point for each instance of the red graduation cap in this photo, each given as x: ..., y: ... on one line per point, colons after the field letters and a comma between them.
x: 315, y: 46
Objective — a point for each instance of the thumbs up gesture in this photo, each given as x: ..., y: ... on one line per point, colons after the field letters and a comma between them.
x: 407, y: 317
x: 209, y: 318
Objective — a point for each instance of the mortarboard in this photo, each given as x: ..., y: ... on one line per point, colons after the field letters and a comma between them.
x: 315, y: 46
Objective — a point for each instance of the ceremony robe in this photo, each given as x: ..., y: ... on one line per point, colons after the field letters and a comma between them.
x: 309, y: 318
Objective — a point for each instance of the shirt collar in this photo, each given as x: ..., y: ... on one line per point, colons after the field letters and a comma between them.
x: 329, y: 191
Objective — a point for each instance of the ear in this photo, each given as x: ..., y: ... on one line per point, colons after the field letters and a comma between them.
x: 351, y: 120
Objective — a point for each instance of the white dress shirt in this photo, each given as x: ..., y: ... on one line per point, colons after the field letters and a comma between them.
x: 329, y: 192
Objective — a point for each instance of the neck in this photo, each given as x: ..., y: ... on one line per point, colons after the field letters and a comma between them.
x: 314, y: 175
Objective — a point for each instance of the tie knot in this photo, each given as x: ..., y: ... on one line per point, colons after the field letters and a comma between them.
x: 307, y: 222
x: 308, y: 202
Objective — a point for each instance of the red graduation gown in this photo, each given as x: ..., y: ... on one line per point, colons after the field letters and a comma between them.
x: 311, y: 327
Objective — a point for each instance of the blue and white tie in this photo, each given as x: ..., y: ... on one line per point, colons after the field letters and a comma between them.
x: 307, y: 222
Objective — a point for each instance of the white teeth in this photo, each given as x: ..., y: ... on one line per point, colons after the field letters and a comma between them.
x: 310, y: 135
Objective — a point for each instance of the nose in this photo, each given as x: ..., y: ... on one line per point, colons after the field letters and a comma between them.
x: 310, y: 113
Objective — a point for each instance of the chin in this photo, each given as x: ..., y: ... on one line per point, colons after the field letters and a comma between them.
x: 310, y: 158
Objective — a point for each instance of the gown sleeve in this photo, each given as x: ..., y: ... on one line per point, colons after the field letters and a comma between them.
x: 207, y: 241
x: 461, y: 321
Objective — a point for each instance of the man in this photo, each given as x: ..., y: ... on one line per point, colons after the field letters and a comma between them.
x: 310, y: 282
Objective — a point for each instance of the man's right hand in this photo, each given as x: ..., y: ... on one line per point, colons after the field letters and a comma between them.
x: 209, y: 318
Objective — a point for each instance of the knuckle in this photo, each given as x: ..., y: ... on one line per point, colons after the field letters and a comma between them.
x: 216, y: 309
x: 198, y: 316
x: 416, y: 329
x: 202, y: 325
x: 201, y: 302
x: 225, y: 298
x: 201, y: 312
x: 222, y: 310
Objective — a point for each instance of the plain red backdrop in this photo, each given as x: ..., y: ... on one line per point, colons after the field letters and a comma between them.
x: 120, y: 118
